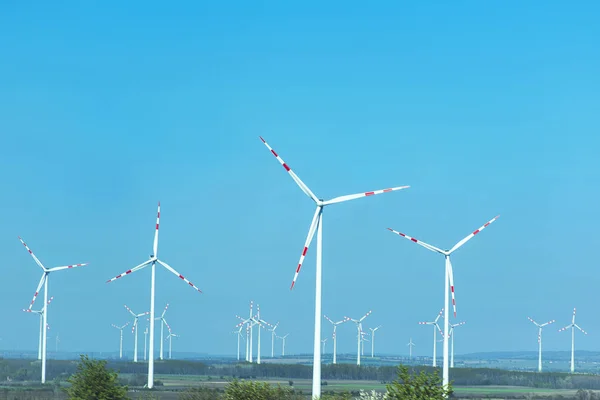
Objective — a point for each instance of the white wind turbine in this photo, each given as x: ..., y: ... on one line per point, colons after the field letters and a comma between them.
x: 410, y: 347
x: 283, y: 343
x: 134, y: 330
x: 448, y: 281
x: 317, y: 226
x: 272, y: 329
x: 41, y: 314
x: 120, y: 328
x: 239, y: 336
x: 335, y: 325
x: 452, y: 326
x: 323, y: 342
x: 540, y: 326
x: 261, y: 324
x: 44, y: 281
x: 162, y: 326
x: 436, y: 328
x: 170, y: 337
x: 363, y: 339
x: 373, y: 340
x: 152, y: 262
x: 358, y: 323
x: 249, y: 322
x: 572, y: 325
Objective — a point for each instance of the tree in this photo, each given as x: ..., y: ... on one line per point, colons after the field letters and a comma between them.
x: 422, y: 386
x: 249, y: 390
x: 93, y: 381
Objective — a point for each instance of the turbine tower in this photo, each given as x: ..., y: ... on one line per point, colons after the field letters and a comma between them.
x: 410, y: 347
x: 540, y: 326
x: 448, y: 281
x: 317, y: 226
x: 334, y: 336
x: 283, y: 343
x: 44, y: 281
x: 373, y: 339
x: 152, y: 262
x: 162, y: 326
x: 572, y: 325
x: 358, y: 323
x: 134, y: 330
x: 120, y: 328
x: 41, y: 314
x: 272, y: 329
x: 436, y: 328
x: 452, y: 326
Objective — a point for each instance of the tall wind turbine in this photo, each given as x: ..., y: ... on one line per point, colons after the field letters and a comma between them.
x: 170, y: 337
x: 162, y: 326
x: 410, y: 347
x: 261, y: 324
x: 448, y: 281
x: 540, y: 326
x: 152, y: 262
x: 317, y: 225
x: 334, y: 336
x: 452, y: 326
x: 283, y: 343
x: 239, y: 336
x: 358, y: 323
x: 41, y: 314
x: 363, y: 339
x: 436, y: 328
x: 323, y: 342
x: 120, y: 328
x: 134, y: 330
x: 572, y: 325
x: 44, y: 282
x: 272, y: 329
x: 373, y: 340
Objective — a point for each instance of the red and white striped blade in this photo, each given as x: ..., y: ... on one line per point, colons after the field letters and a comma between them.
x: 573, y: 320
x: 37, y: 290
x: 165, y: 310
x: 328, y: 319
x: 566, y: 327
x: 124, y: 326
x: 116, y: 327
x: 129, y: 271
x: 531, y: 319
x: 155, y: 246
x: 129, y: 309
x: 135, y: 321
x: 412, y: 239
x: 451, y: 278
x: 67, y: 267
x: 311, y: 233
x: 365, y: 316
x: 167, y: 325
x: 578, y: 327
x: 167, y: 266
x: 32, y: 255
x: 361, y: 195
x: 295, y: 177
x: 438, y: 316
x: 470, y: 236
x: 50, y: 300
x: 548, y: 323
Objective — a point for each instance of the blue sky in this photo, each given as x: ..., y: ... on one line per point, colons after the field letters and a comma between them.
x: 482, y: 109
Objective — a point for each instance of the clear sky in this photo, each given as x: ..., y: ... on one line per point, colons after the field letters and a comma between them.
x: 483, y: 108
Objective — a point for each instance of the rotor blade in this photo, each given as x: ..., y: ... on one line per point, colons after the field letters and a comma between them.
x: 129, y: 271
x: 573, y: 321
x: 295, y: 177
x: 365, y: 316
x: 37, y: 290
x: 114, y: 326
x: 427, y: 246
x: 364, y: 194
x: 547, y: 323
x: 566, y: 327
x: 123, y: 327
x: 438, y: 316
x: 578, y: 327
x: 50, y: 300
x: 131, y: 312
x: 311, y: 233
x: 451, y: 278
x: 167, y: 324
x: 67, y: 267
x: 165, y: 310
x: 328, y: 319
x: 475, y: 232
x: 167, y: 266
x: 155, y: 246
x: 531, y: 319
x: 32, y: 255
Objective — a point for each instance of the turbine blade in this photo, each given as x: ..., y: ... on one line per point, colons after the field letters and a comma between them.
x: 67, y: 267
x: 311, y: 233
x: 129, y: 271
x: 131, y: 312
x: 167, y: 266
x: 328, y: 319
x: 295, y: 177
x: 32, y: 255
x: 427, y: 246
x: 573, y: 321
x: 438, y: 316
x: 37, y: 290
x: 578, y: 327
x: 451, y: 277
x: 155, y: 246
x: 365, y: 316
x: 565, y: 328
x: 114, y: 326
x: 164, y: 311
x: 547, y: 323
x: 364, y: 194
x: 475, y: 232
x: 531, y: 319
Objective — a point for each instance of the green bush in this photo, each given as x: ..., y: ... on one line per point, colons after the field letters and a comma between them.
x: 422, y: 386
x: 93, y: 381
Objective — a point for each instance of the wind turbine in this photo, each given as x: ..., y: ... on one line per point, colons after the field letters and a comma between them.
x: 373, y: 339
x: 261, y: 324
x: 323, y: 342
x: 249, y: 330
x: 410, y: 347
x: 283, y: 343
x: 134, y: 330
x: 363, y: 339
x: 41, y: 314
x: 44, y: 281
x: 452, y: 326
x: 448, y: 280
x: 170, y: 337
x: 335, y: 325
x: 162, y: 325
x: 152, y: 262
x: 572, y: 325
x: 272, y: 329
x: 358, y: 323
x: 145, y: 343
x: 239, y: 335
x: 317, y: 225
x: 436, y: 328
x: 540, y: 326
x: 120, y: 328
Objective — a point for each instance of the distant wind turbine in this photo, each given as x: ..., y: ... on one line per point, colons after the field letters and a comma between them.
x: 120, y: 328
x: 335, y: 325
x: 436, y: 328
x: 452, y: 326
x: 410, y: 347
x: 373, y: 339
x: 572, y: 325
x: 540, y: 326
